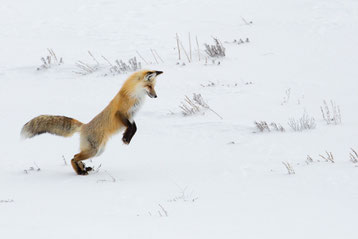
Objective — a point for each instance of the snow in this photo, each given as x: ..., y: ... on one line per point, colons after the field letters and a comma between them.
x: 182, y: 177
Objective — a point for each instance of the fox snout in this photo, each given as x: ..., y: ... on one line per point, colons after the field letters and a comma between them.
x: 149, y: 80
x: 152, y: 93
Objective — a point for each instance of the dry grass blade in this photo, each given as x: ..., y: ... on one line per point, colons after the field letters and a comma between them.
x: 155, y: 58
x: 354, y: 156
x: 289, y: 167
x: 309, y: 159
x: 142, y: 57
x: 156, y: 53
x: 329, y: 157
x: 186, y: 54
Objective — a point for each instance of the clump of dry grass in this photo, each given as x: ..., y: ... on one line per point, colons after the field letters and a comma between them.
x: 120, y: 67
x: 263, y: 126
x: 309, y: 159
x: 195, y: 105
x: 303, y: 123
x: 332, y: 115
x: 50, y: 60
x: 87, y: 68
x: 328, y: 158
x: 217, y: 50
x: 34, y: 168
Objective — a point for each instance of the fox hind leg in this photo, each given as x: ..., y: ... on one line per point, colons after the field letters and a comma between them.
x: 77, y: 163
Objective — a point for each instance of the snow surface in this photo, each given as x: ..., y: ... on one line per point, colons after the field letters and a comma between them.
x: 182, y: 177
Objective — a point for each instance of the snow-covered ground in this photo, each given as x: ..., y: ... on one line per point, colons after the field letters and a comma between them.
x: 182, y: 177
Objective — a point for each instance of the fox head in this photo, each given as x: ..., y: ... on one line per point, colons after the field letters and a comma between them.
x: 140, y: 84
x: 147, y: 80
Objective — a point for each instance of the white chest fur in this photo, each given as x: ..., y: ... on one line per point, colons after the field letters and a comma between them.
x: 139, y: 96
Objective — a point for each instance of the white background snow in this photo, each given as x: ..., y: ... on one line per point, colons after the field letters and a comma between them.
x: 214, y: 178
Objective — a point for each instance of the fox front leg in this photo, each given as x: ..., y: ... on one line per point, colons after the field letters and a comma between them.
x: 130, y: 130
x: 129, y: 133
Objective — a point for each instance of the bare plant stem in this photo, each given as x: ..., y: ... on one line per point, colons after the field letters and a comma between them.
x: 107, y: 61
x: 154, y: 56
x: 64, y: 160
x: 190, y: 47
x: 142, y: 58
x: 186, y: 54
x: 165, y: 211
x: 177, y: 38
x: 215, y: 113
x: 197, y: 45
x: 155, y: 51
x: 289, y: 167
x: 93, y: 57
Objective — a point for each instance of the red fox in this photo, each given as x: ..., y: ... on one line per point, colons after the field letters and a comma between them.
x: 94, y: 135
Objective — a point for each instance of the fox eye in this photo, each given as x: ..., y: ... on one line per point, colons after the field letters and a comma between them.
x: 149, y: 87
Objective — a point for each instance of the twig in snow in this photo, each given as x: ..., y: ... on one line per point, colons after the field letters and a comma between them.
x: 142, y: 57
x: 333, y: 115
x: 50, y: 60
x: 193, y: 106
x: 163, y: 210
x: 64, y: 160
x: 354, y: 156
x: 303, y: 123
x: 197, y: 45
x: 289, y: 168
x: 113, y: 179
x: 36, y: 168
x: 154, y: 56
x: 200, y: 101
x: 217, y: 50
x: 107, y: 61
x: 191, y: 59
x: 93, y: 57
x: 186, y: 54
x: 246, y: 22
x: 264, y: 126
x: 178, y: 47
x: 156, y: 53
x: 184, y: 196
x: 120, y: 67
x: 309, y: 159
x: 329, y: 157
x: 287, y: 96
x: 86, y: 68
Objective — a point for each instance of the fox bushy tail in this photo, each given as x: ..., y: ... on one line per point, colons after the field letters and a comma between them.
x: 53, y: 124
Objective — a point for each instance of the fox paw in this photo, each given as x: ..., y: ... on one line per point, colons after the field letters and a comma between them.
x: 82, y: 172
x: 126, y: 140
x: 88, y: 169
x: 82, y: 169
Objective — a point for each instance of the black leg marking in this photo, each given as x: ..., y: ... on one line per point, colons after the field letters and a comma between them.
x: 131, y: 128
x: 129, y: 133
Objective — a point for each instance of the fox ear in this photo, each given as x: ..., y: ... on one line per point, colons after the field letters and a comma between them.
x: 149, y: 76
